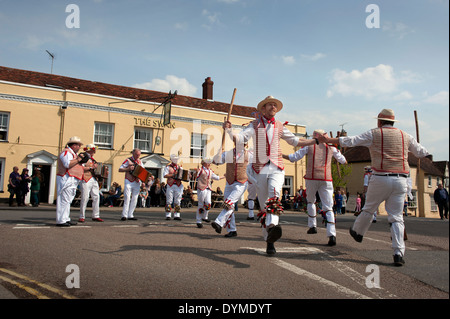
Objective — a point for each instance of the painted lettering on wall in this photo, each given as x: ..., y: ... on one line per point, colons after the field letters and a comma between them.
x: 147, y: 121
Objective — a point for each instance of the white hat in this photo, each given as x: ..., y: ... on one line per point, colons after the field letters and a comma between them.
x: 319, y: 131
x: 90, y: 147
x: 386, y: 115
x: 74, y: 140
x: 268, y: 100
x: 207, y: 160
x: 174, y: 158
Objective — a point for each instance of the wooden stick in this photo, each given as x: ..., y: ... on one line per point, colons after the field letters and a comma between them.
x: 228, y: 118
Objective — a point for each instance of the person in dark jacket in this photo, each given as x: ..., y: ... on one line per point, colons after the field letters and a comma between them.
x: 441, y: 199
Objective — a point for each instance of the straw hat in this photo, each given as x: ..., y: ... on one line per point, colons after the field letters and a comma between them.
x: 90, y: 147
x: 207, y: 160
x: 387, y: 115
x: 268, y: 100
x: 174, y: 158
x: 74, y: 140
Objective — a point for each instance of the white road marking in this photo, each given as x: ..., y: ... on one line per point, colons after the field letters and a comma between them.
x: 299, y: 271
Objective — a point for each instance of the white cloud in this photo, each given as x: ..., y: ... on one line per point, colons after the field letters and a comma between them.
x: 212, y: 19
x: 371, y: 82
x: 170, y: 83
x: 404, y: 95
x: 441, y: 98
x: 288, y: 60
x: 396, y: 30
x: 314, y: 57
x: 181, y: 26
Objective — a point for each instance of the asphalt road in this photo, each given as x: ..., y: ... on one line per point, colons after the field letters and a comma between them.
x: 152, y: 258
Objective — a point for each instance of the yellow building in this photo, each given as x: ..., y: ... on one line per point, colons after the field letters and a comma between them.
x: 39, y: 113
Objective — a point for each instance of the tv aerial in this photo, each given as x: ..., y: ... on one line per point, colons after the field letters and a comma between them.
x: 342, y: 126
x: 52, y: 56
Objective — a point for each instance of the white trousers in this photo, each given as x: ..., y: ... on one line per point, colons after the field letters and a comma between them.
x: 90, y: 188
x: 174, y: 194
x: 130, y: 196
x: 231, y: 195
x: 392, y: 190
x: 325, y: 189
x: 204, y: 199
x: 251, y: 199
x: 65, y: 193
x: 269, y: 183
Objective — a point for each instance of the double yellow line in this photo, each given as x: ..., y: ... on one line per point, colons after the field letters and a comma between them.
x: 30, y: 290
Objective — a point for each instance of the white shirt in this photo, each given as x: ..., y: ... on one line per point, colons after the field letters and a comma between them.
x: 304, y: 150
x: 66, y: 157
x: 366, y: 139
x: 249, y: 132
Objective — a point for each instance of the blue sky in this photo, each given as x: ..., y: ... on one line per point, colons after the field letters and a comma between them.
x: 319, y: 57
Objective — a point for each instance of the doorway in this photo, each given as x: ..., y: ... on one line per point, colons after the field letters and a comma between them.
x: 45, y: 182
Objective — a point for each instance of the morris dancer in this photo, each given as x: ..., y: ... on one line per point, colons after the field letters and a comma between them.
x: 174, y: 191
x: 132, y: 185
x: 268, y: 167
x: 318, y: 179
x: 69, y: 174
x: 389, y: 149
x: 236, y: 177
x: 89, y: 186
x: 204, y: 176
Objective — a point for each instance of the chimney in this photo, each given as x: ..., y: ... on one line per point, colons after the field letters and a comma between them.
x: 208, y: 89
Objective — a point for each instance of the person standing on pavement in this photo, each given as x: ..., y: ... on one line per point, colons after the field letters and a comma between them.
x: 441, y: 199
x: 69, y: 174
x: 132, y: 185
x: 389, y: 147
x: 14, y: 186
x: 90, y: 187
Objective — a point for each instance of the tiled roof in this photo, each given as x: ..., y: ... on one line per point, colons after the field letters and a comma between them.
x: 45, y: 79
x: 360, y: 154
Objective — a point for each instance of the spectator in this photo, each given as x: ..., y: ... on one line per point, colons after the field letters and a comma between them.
x: 358, y: 205
x: 114, y: 193
x: 338, y: 200
x: 286, y: 200
x: 143, y: 194
x: 35, y: 187
x: 344, y: 202
x: 155, y: 193
x: 441, y: 199
x: 24, y: 188
x: 14, y: 186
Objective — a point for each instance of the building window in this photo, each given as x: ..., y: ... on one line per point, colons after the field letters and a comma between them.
x: 434, y: 207
x: 4, y: 123
x: 2, y: 173
x: 106, y: 183
x: 143, y: 139
x: 412, y: 203
x: 104, y: 135
x: 288, y: 185
x: 198, y: 144
x: 429, y: 181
